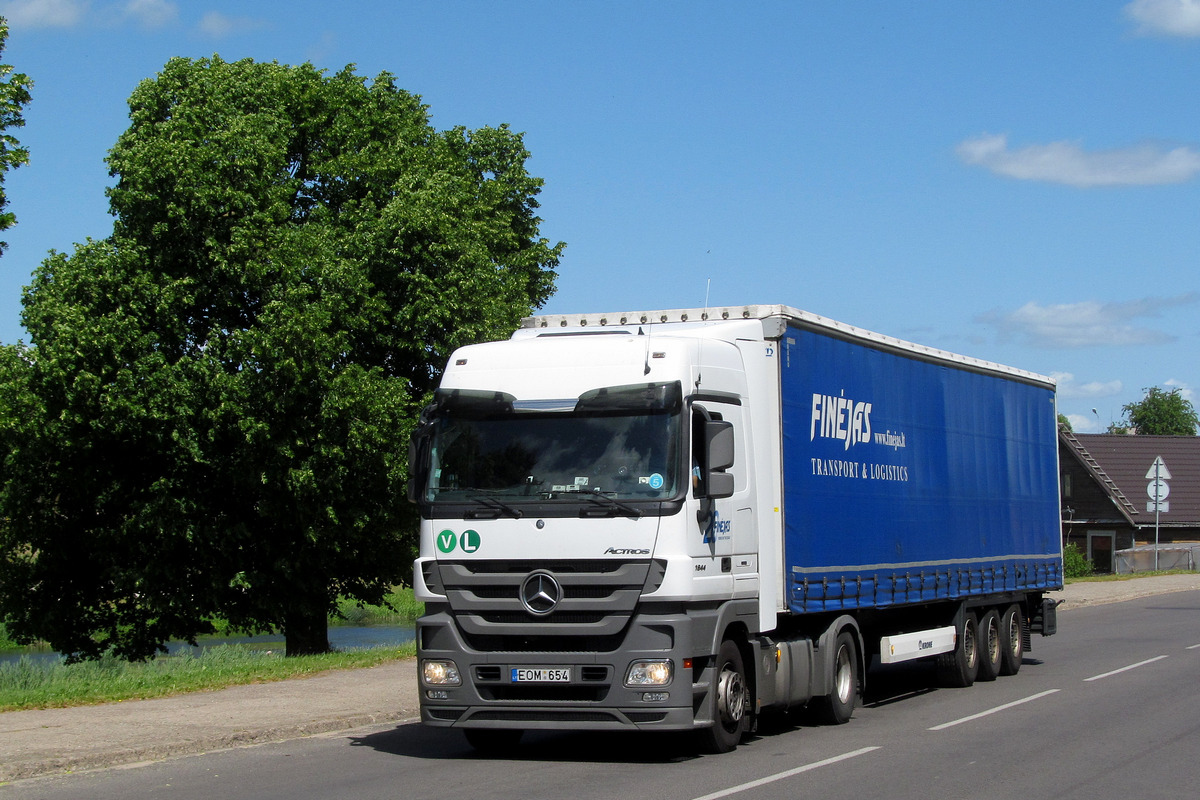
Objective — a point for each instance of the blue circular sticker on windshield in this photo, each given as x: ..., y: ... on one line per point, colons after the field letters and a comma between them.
x: 656, y: 481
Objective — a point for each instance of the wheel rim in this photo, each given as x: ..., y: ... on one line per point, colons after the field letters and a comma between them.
x: 993, y: 641
x: 844, y: 676
x: 731, y: 697
x: 970, y: 651
x: 1014, y: 636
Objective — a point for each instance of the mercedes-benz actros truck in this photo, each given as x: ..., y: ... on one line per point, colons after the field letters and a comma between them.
x: 679, y: 520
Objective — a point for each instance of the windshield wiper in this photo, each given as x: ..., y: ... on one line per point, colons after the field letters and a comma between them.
x: 611, y: 506
x: 494, y: 508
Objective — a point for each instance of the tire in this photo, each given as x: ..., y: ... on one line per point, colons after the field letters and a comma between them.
x: 837, y: 707
x: 959, y: 668
x: 1012, y: 640
x: 990, y: 645
x: 492, y: 741
x: 731, y: 701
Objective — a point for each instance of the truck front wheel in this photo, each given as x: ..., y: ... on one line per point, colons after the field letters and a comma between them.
x: 732, y: 699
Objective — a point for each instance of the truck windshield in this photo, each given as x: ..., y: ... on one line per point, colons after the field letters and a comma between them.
x: 620, y: 443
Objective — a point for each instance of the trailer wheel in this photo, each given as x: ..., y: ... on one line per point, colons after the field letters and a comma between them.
x: 837, y: 707
x: 492, y: 741
x: 732, y: 699
x: 959, y: 668
x: 991, y: 646
x: 1012, y: 640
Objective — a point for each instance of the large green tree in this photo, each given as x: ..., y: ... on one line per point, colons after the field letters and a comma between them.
x: 213, y: 417
x: 1162, y: 413
x: 14, y: 96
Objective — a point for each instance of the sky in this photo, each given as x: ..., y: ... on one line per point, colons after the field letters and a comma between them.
x: 1018, y: 182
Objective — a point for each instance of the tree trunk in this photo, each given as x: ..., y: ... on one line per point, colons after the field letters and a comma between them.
x: 306, y: 633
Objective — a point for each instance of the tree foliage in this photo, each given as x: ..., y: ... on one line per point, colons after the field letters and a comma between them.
x: 14, y: 96
x: 1162, y: 413
x: 213, y: 419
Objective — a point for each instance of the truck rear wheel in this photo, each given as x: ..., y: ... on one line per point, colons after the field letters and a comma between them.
x: 731, y: 700
x: 1012, y: 640
x: 959, y: 668
x: 991, y: 646
x: 837, y: 707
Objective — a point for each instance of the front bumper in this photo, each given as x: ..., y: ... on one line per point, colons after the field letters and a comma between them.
x: 595, y: 697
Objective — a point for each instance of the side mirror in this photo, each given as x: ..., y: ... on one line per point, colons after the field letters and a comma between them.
x: 419, y: 450
x: 418, y: 467
x: 718, y: 436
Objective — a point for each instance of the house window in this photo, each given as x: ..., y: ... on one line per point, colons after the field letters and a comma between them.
x: 1066, y: 484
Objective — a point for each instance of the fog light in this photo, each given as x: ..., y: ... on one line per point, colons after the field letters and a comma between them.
x: 648, y: 673
x: 654, y: 697
x: 441, y: 673
x: 437, y: 694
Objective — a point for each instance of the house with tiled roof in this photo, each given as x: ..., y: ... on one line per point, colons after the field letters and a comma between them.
x: 1112, y: 503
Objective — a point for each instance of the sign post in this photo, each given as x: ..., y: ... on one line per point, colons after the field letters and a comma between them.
x: 1158, y: 490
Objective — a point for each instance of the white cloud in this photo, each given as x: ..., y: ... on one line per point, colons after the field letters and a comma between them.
x: 148, y: 14
x: 152, y: 13
x: 1086, y: 324
x: 325, y: 47
x: 1067, y: 162
x: 43, y: 13
x: 1185, y: 391
x: 219, y: 25
x: 1083, y: 422
x: 1069, y: 388
x: 1166, y: 17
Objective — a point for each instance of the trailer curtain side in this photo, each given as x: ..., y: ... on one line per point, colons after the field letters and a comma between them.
x: 909, y: 479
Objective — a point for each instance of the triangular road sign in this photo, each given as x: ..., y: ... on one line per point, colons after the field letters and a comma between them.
x: 1158, y: 470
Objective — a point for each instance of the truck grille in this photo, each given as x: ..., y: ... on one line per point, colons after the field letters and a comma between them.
x: 597, y: 600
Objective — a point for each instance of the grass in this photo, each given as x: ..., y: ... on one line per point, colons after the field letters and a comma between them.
x: 406, y: 609
x: 36, y: 683
x: 29, y: 684
x: 1128, y: 576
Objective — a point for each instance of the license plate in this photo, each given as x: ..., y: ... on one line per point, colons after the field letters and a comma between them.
x: 541, y: 674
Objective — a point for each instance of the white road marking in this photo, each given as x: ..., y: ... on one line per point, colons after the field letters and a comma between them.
x: 1193, y: 647
x: 990, y: 711
x: 1125, y: 669
x: 787, y: 774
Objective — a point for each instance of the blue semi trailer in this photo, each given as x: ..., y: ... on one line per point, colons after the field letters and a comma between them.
x: 679, y: 520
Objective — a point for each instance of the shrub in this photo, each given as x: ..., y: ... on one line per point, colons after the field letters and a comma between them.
x: 1075, y: 565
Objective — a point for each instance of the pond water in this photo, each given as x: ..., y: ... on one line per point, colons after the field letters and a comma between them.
x: 341, y: 637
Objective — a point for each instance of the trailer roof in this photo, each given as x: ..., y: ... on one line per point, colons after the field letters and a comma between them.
x: 785, y: 315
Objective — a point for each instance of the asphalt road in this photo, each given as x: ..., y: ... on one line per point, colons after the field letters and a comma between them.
x: 1108, y: 708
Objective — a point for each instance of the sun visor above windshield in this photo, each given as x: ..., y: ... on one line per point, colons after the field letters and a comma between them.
x: 661, y: 397
x: 636, y: 397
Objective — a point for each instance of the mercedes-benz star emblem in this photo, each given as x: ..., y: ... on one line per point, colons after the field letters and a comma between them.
x: 540, y: 593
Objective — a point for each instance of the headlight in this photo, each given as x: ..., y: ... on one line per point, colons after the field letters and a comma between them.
x: 441, y: 673
x: 648, y: 673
